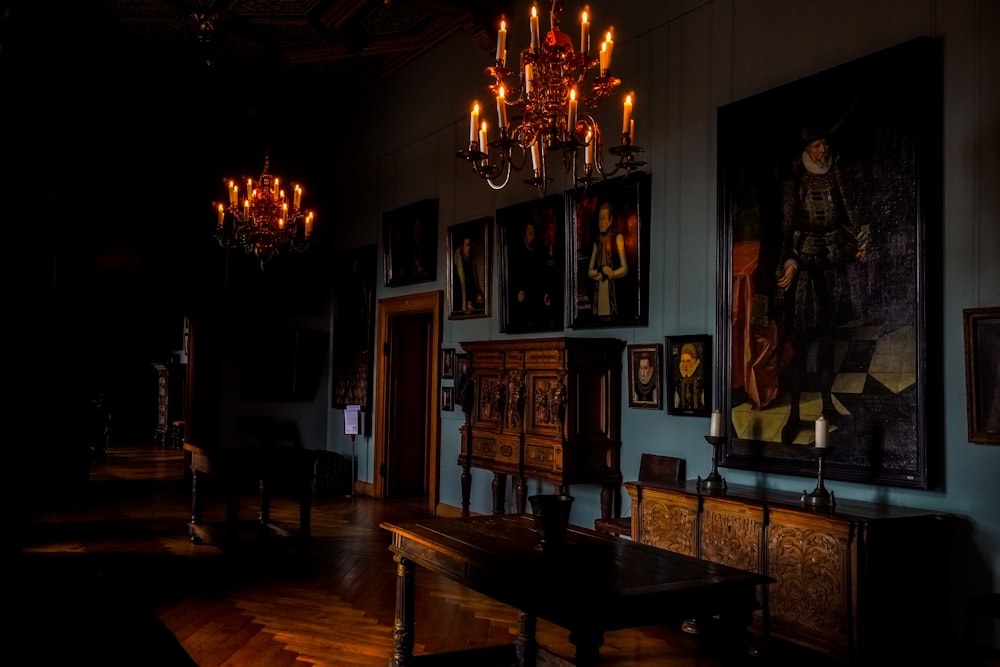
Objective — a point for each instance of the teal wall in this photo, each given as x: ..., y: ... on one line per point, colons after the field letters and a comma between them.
x: 684, y: 60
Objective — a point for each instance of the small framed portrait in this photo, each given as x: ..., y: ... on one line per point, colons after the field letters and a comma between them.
x: 410, y: 238
x: 645, y: 376
x: 982, y: 374
x: 689, y: 375
x: 468, y: 274
x: 447, y: 363
x: 448, y: 398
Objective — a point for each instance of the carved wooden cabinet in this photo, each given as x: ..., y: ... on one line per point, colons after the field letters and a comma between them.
x: 543, y: 408
x: 861, y: 581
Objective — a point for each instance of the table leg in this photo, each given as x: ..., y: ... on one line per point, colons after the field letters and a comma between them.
x: 588, y: 647
x: 520, y: 493
x: 527, y: 643
x: 499, y: 493
x: 196, y: 507
x: 402, y: 627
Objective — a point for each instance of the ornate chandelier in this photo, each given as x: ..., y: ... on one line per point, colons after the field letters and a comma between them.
x: 266, y: 221
x: 553, y: 95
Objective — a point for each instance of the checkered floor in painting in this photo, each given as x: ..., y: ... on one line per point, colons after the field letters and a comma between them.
x: 875, y: 378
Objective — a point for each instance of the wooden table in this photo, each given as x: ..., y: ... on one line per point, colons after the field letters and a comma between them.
x: 592, y: 584
x: 236, y: 467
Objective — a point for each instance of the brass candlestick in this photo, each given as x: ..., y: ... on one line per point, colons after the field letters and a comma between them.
x: 819, y: 497
x: 715, y: 482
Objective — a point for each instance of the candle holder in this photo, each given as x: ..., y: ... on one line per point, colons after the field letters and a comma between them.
x: 714, y: 483
x: 819, y: 497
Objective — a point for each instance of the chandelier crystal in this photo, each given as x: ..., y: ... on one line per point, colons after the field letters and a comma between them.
x: 265, y: 222
x: 553, y: 92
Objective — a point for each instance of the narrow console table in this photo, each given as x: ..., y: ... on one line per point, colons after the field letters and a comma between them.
x: 234, y: 468
x: 859, y: 581
x: 589, y: 585
x: 543, y: 408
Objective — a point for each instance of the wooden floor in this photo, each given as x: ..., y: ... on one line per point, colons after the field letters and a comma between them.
x: 108, y: 574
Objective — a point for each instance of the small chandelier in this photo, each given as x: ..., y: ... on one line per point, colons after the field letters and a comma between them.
x: 553, y: 93
x: 266, y: 222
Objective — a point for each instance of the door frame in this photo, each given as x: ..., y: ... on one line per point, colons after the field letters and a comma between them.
x: 389, y: 308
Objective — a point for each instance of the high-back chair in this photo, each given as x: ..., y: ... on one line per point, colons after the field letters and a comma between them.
x: 652, y: 468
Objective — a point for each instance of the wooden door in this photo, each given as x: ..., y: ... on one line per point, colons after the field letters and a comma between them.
x: 398, y: 317
x: 409, y: 375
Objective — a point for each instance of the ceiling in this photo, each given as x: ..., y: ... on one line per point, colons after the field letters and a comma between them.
x: 343, y: 41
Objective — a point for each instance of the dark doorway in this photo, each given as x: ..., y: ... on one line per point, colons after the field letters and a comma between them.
x: 410, y: 353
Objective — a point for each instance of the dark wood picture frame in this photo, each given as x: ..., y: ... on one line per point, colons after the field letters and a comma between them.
x: 469, y: 269
x: 410, y: 240
x: 645, y: 390
x: 448, y: 399
x: 532, y: 278
x: 447, y: 363
x: 689, y: 375
x: 354, y: 328
x: 865, y: 369
x: 597, y: 300
x: 982, y: 373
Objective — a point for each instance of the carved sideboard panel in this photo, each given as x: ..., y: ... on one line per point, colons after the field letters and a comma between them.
x: 555, y: 403
x: 847, y: 583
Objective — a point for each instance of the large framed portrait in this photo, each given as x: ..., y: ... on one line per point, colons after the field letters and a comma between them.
x: 828, y: 221
x: 610, y: 253
x: 689, y: 375
x: 468, y: 251
x: 982, y: 373
x: 409, y: 240
x: 645, y: 376
x: 532, y: 240
x: 354, y: 327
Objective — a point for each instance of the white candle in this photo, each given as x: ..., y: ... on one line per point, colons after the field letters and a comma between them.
x: 483, y: 143
x: 222, y: 215
x: 571, y: 121
x: 502, y: 107
x: 584, y: 33
x: 529, y: 78
x: 607, y: 48
x: 821, y: 431
x: 536, y: 156
x: 716, y: 423
x: 309, y: 224
x: 588, y: 151
x: 249, y: 188
x: 502, y: 41
x: 604, y: 57
x: 627, y: 114
x: 298, y: 196
x: 534, y: 27
x: 473, y: 122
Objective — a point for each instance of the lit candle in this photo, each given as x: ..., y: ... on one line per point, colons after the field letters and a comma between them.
x: 536, y: 156
x: 233, y: 194
x: 249, y: 188
x: 483, y: 144
x: 627, y: 114
x: 222, y: 215
x: 716, y: 423
x: 529, y: 78
x: 274, y: 188
x: 473, y: 122
x: 588, y: 151
x: 571, y: 121
x: 609, y: 45
x: 604, y: 57
x: 502, y: 107
x: 309, y: 224
x: 584, y: 33
x: 631, y: 131
x: 534, y: 27
x: 502, y: 42
x: 821, y: 432
x: 246, y: 209
x: 298, y: 196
